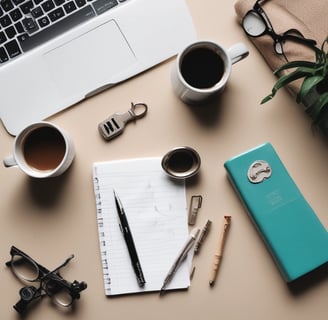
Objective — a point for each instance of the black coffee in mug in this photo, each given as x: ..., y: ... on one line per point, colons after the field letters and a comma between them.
x: 44, y: 148
x: 181, y: 161
x: 202, y: 67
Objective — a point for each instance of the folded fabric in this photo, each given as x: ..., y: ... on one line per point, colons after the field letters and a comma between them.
x: 307, y: 16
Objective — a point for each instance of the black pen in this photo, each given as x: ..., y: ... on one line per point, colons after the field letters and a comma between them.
x: 124, y: 225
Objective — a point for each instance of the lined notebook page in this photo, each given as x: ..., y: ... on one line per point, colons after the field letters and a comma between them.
x: 155, y: 206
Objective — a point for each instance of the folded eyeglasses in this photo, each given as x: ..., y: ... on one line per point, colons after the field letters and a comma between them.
x: 51, y: 283
x: 256, y: 23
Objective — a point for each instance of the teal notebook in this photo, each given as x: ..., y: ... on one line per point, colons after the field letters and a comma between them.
x: 290, y: 228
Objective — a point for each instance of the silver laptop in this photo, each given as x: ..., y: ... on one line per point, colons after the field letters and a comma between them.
x: 55, y: 53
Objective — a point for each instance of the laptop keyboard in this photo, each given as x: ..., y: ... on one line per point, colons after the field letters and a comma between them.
x: 25, y: 24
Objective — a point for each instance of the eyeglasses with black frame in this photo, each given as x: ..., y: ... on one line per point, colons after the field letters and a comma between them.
x: 51, y: 283
x: 256, y: 24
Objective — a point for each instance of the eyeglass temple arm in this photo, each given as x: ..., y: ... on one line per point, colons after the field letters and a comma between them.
x: 258, y: 9
x: 64, y: 263
x: 48, y: 273
x: 306, y: 41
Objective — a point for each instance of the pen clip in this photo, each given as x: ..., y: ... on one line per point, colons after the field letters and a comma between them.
x: 195, y: 204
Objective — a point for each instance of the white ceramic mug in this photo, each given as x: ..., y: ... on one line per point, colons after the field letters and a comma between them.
x: 203, y: 68
x: 41, y: 150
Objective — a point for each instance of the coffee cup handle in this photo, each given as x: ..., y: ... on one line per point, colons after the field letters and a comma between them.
x: 9, y: 161
x: 238, y: 52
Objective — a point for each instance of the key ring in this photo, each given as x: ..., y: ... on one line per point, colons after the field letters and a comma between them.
x: 137, y: 114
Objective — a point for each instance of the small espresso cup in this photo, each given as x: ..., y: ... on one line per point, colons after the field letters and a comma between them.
x: 41, y: 150
x: 202, y: 70
x: 181, y: 162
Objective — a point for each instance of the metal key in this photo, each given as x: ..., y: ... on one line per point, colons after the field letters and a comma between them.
x: 114, y: 125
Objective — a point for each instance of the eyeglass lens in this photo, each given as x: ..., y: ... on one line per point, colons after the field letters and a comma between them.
x: 59, y: 293
x: 24, y: 268
x: 253, y: 24
x: 278, y: 47
x: 63, y: 297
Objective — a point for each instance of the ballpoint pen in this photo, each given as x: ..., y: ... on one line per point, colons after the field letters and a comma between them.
x: 124, y: 225
x: 219, y: 251
x: 180, y: 258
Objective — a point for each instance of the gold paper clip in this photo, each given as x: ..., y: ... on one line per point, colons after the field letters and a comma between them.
x: 195, y: 204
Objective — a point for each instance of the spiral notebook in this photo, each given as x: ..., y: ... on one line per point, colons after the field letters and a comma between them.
x: 156, y: 209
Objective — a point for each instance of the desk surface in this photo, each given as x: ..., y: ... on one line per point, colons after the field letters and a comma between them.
x: 52, y: 219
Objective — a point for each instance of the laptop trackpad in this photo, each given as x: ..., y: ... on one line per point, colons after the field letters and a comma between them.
x: 89, y: 61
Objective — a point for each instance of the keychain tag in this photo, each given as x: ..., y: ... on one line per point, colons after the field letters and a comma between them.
x: 114, y: 125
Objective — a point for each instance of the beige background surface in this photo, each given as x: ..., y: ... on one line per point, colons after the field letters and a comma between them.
x: 52, y: 219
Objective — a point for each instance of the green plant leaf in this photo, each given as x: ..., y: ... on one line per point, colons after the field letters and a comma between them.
x: 267, y: 98
x: 314, y: 73
x: 319, y: 107
x: 307, y: 85
x: 284, y: 80
x: 296, y: 64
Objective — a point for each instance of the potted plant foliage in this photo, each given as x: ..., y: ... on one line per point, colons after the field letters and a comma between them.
x: 313, y: 91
